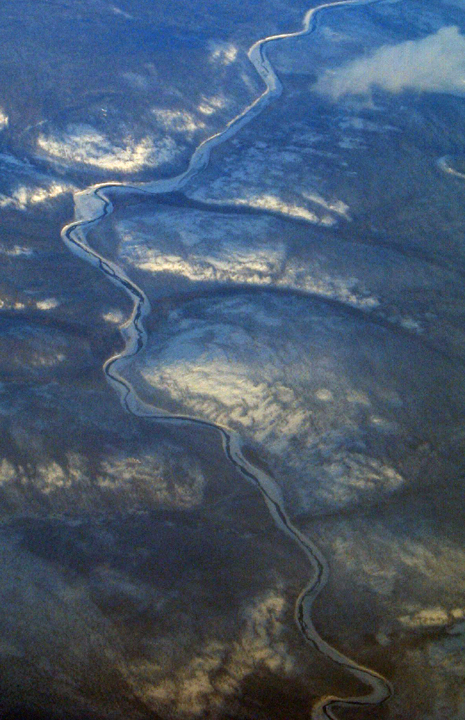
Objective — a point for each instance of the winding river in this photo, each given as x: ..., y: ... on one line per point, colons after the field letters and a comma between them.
x: 91, y: 206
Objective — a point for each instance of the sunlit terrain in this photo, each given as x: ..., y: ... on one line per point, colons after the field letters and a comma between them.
x: 268, y: 512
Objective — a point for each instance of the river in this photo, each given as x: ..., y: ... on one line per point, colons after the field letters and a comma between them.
x: 91, y: 206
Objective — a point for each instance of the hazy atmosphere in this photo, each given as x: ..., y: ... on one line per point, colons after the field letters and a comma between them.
x: 232, y: 347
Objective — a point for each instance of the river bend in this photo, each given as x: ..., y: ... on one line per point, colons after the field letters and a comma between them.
x: 91, y: 206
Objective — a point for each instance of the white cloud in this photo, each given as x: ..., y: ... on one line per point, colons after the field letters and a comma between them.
x: 435, y: 63
x: 85, y: 145
x: 3, y: 119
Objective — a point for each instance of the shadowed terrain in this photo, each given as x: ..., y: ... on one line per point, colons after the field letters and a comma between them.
x: 306, y: 292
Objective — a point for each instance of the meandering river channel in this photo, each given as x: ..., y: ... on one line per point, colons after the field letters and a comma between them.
x: 91, y: 206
